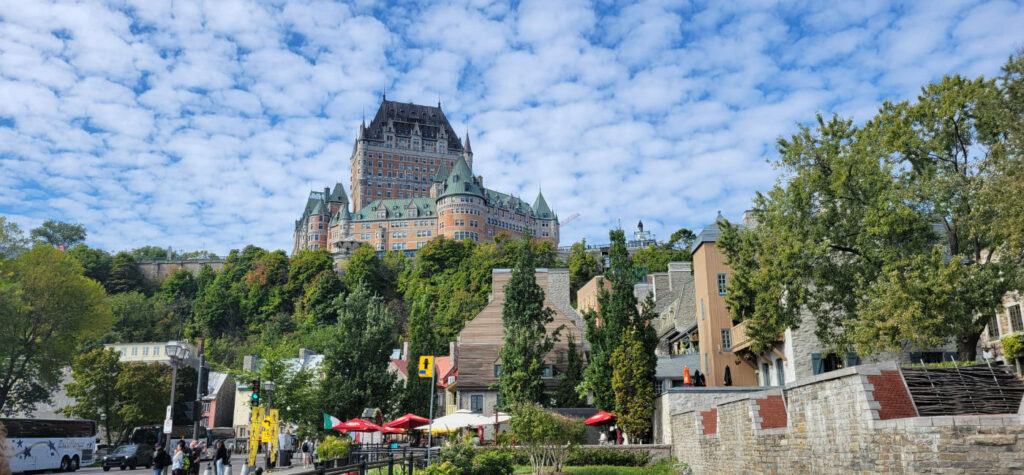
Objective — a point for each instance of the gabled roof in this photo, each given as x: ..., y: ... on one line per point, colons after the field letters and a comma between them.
x: 401, y: 365
x: 407, y: 117
x: 397, y: 208
x: 461, y: 181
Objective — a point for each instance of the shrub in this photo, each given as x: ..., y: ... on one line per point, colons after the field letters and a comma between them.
x: 547, y: 438
x: 607, y: 456
x: 1013, y: 347
x: 493, y: 462
x: 445, y: 468
x: 459, y: 452
x: 333, y: 448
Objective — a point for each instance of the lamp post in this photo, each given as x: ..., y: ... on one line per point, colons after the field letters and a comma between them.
x: 177, y: 352
x: 200, y: 391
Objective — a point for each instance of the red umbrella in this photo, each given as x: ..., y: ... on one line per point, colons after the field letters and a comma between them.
x: 391, y: 430
x: 408, y: 421
x: 357, y: 425
x: 600, y: 418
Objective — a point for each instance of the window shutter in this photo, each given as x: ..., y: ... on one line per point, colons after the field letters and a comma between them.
x: 816, y: 364
x: 852, y: 359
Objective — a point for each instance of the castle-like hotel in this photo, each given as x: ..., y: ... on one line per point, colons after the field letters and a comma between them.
x: 412, y: 180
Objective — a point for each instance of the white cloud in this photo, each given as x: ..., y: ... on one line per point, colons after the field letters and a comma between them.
x: 205, y: 124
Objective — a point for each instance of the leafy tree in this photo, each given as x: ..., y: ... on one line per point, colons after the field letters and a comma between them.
x: 197, y: 255
x: 567, y: 394
x: 1007, y: 160
x: 136, y: 318
x: 152, y: 253
x: 96, y: 263
x: 143, y: 390
x: 316, y: 305
x: 59, y: 234
x: 582, y: 267
x: 356, y: 364
x: 48, y: 306
x: 633, y: 385
x: 296, y: 392
x: 681, y: 240
x: 526, y: 338
x: 546, y: 438
x: 94, y: 388
x: 364, y: 267
x: 12, y: 239
x: 125, y: 275
x: 218, y: 311
x: 303, y: 268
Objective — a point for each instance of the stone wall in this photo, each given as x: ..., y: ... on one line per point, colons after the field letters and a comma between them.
x: 160, y: 270
x: 681, y: 399
x: 858, y: 419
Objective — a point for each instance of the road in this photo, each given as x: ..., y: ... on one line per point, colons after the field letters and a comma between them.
x: 237, y: 460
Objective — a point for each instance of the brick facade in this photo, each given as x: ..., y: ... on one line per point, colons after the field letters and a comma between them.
x: 841, y: 422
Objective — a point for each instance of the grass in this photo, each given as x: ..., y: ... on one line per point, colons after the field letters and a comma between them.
x: 664, y: 467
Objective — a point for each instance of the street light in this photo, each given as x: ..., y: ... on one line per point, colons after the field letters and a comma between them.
x: 177, y: 352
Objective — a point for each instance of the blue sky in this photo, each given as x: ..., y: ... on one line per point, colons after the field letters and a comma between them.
x: 206, y: 124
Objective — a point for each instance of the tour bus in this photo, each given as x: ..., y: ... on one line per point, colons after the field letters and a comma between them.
x: 48, y: 444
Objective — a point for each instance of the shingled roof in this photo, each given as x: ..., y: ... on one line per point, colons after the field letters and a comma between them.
x: 397, y: 208
x: 460, y: 181
x: 407, y: 117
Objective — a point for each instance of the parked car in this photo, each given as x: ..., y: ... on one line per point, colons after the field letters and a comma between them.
x: 128, y: 457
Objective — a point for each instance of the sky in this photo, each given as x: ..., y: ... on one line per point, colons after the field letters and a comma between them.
x: 204, y: 125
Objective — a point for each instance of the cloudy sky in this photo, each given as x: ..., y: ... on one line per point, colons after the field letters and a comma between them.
x: 206, y: 124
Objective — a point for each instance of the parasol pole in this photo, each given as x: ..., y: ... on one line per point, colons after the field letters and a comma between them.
x: 430, y: 424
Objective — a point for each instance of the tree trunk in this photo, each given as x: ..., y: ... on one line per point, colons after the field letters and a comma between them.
x: 967, y: 345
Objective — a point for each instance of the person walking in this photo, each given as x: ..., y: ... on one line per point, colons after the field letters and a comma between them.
x: 307, y: 448
x: 160, y: 460
x: 603, y: 440
x: 196, y: 455
x: 177, y: 462
x: 222, y: 458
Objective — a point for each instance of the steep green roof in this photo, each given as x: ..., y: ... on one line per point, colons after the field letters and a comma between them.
x: 338, y: 194
x: 397, y: 209
x: 442, y: 173
x: 461, y: 181
x: 541, y: 209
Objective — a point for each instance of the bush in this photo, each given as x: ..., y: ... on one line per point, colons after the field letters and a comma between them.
x: 493, y: 462
x: 459, y: 452
x: 1013, y: 347
x: 445, y: 468
x: 333, y: 448
x: 607, y: 456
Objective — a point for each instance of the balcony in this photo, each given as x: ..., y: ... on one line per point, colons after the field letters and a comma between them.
x: 740, y: 340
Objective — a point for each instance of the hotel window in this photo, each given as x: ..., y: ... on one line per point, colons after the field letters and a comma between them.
x: 135, y: 350
x: 476, y: 403
x: 1015, y: 319
x: 726, y: 339
x: 145, y: 351
x: 156, y: 351
x: 721, y: 284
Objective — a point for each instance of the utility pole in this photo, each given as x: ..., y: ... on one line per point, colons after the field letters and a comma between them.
x: 430, y: 425
x: 200, y: 390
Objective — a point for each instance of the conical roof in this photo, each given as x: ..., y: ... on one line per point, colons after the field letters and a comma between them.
x: 460, y: 181
x: 540, y: 207
x: 469, y: 148
x: 338, y: 194
x: 441, y: 174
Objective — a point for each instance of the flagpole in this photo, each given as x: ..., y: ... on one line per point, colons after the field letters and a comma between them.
x: 430, y: 424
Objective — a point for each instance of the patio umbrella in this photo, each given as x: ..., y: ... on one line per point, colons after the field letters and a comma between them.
x: 391, y: 430
x: 407, y: 421
x: 601, y: 418
x: 461, y: 419
x: 357, y: 425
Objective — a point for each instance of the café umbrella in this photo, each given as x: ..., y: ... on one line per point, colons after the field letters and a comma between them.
x: 407, y: 421
x: 601, y: 418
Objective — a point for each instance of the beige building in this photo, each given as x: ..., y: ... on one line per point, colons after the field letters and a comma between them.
x: 477, y: 361
x: 151, y: 352
x: 586, y: 296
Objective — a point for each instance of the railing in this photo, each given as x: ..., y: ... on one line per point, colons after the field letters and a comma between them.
x: 739, y: 337
x: 360, y: 461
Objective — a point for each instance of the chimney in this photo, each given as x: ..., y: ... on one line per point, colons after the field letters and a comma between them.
x: 480, y: 180
x: 169, y: 253
x: 677, y: 273
x: 749, y: 219
x: 249, y: 363
x: 453, y: 351
x: 661, y: 285
x: 305, y: 353
x: 405, y: 350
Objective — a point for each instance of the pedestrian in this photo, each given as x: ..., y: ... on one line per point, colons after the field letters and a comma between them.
x: 196, y: 454
x: 222, y: 457
x: 160, y: 460
x: 603, y: 440
x: 307, y: 448
x: 178, y: 461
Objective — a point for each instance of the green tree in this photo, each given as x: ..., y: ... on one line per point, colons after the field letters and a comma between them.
x: 47, y: 307
x: 152, y: 253
x: 356, y: 363
x: 303, y: 268
x: 94, y: 388
x: 364, y: 267
x: 125, y: 275
x: 143, y: 391
x: 633, y: 385
x: 653, y: 259
x: 546, y: 438
x: 136, y: 318
x: 12, y: 239
x: 567, y: 394
x: 526, y: 338
x: 59, y: 234
x: 681, y: 240
x: 96, y: 263
x: 316, y: 305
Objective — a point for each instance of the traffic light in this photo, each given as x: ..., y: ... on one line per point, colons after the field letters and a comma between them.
x: 255, y: 393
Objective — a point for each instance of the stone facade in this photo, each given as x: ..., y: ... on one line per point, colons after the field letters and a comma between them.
x: 412, y: 181
x: 1008, y: 321
x: 858, y: 419
x: 159, y: 270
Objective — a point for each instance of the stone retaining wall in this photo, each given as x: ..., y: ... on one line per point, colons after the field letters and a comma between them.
x: 160, y: 270
x: 858, y: 419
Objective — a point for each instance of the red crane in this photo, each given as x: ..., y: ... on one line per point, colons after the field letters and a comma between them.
x: 569, y: 219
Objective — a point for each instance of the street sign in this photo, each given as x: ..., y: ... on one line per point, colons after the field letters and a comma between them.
x: 168, y: 425
x: 255, y: 433
x: 426, y: 367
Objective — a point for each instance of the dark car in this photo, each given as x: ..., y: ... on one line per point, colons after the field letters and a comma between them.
x: 129, y: 457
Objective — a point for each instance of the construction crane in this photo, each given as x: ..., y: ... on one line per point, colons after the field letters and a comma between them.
x: 569, y: 219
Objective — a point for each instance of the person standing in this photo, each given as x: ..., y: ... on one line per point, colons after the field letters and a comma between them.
x: 306, y: 449
x: 160, y: 460
x: 603, y: 440
x: 178, y: 460
x: 196, y: 455
x: 222, y: 457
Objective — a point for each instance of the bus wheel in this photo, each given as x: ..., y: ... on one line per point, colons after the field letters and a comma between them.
x: 74, y: 464
x: 65, y: 465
